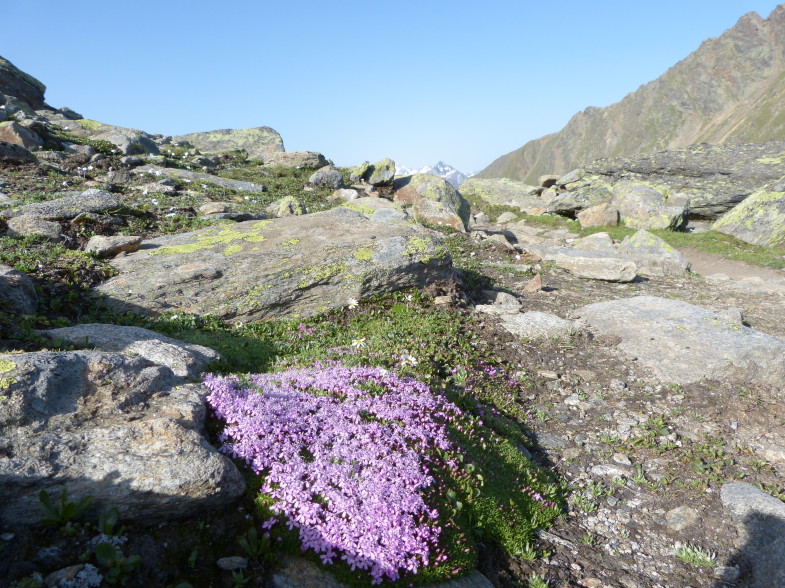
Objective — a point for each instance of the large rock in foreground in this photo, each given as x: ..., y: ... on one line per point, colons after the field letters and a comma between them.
x: 112, y: 427
x: 292, y: 266
x: 681, y: 343
x: 258, y: 142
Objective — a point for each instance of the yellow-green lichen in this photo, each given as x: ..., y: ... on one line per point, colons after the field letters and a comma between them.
x: 214, y: 237
x: 232, y: 249
x: 321, y: 272
x: 417, y: 245
x: 6, y: 366
x: 90, y: 125
x: 358, y: 208
x: 363, y: 254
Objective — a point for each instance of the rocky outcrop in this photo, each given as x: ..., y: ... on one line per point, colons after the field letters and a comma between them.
x: 14, y: 82
x: 126, y: 141
x: 68, y: 207
x: 661, y: 190
x: 730, y: 90
x: 112, y: 427
x: 681, y: 343
x: 760, y: 219
x: 257, y: 142
x: 298, y: 265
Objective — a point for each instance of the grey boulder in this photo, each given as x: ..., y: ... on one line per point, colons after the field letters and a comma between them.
x: 681, y: 343
x: 112, y: 427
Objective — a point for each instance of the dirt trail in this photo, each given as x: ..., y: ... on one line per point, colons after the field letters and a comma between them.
x: 707, y: 264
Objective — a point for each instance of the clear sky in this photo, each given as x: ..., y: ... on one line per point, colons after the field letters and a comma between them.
x: 463, y: 82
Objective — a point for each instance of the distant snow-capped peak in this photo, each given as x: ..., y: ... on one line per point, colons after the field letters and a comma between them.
x: 441, y: 169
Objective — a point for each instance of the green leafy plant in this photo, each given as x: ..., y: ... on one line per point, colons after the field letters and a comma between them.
x: 107, y: 521
x: 118, y: 567
x: 258, y: 548
x: 537, y: 581
x: 64, y: 512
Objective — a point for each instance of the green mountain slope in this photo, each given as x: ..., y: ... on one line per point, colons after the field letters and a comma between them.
x: 731, y: 89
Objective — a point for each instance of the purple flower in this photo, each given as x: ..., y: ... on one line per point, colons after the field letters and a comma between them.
x: 341, y: 450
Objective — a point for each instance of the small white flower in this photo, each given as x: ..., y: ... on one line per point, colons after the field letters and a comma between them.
x: 408, y: 360
x: 353, y: 303
x: 204, y: 186
x: 358, y: 343
x: 409, y: 298
x: 238, y: 324
x: 65, y: 183
x: 154, y: 201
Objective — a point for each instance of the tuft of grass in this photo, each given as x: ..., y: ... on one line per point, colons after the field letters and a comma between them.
x: 696, y: 556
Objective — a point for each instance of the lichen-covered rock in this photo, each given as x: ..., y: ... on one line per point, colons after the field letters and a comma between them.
x: 292, y: 266
x: 712, y: 179
x: 288, y: 206
x: 759, y: 220
x: 257, y: 142
x: 17, y: 291
x: 434, y: 199
x: 108, y: 426
x: 358, y: 173
x: 653, y: 256
x: 297, y: 159
x: 502, y: 192
x: 381, y: 173
x: 681, y: 343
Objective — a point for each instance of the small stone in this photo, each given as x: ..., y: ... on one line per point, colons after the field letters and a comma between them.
x: 549, y: 375
x: 7, y: 536
x: 533, y: 285
x: 680, y: 518
x: 548, y: 441
x: 622, y: 459
x: 612, y: 501
x: 233, y: 563
x: 609, y: 470
x: 442, y: 300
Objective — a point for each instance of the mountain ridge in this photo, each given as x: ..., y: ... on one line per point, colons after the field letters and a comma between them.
x: 730, y: 89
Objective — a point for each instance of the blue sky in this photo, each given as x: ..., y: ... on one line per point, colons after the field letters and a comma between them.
x: 462, y: 82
